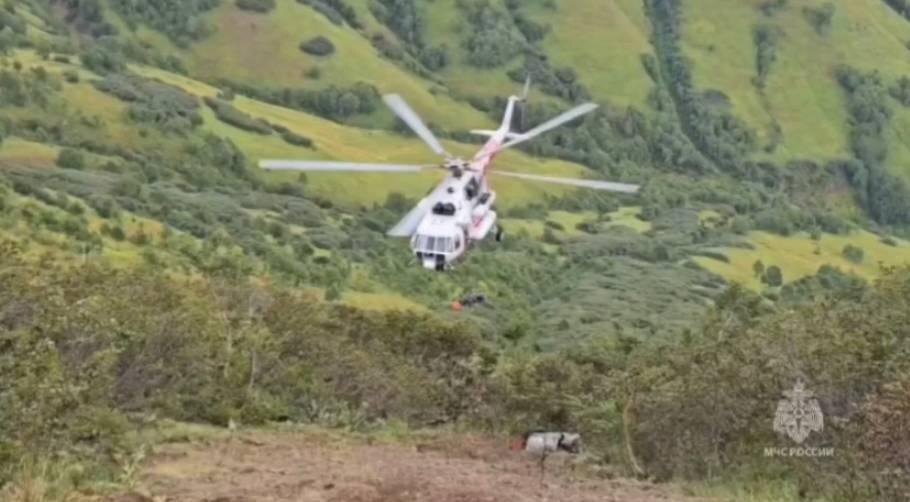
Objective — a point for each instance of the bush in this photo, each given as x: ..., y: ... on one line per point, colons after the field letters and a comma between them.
x: 318, y: 46
x: 493, y: 39
x: 853, y: 253
x: 71, y: 76
x: 230, y: 115
x: 297, y: 139
x: 820, y: 17
x: 70, y: 159
x: 167, y: 107
x: 337, y: 11
x: 256, y: 5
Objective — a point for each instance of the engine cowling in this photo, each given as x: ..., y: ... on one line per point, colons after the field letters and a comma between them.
x: 482, y: 226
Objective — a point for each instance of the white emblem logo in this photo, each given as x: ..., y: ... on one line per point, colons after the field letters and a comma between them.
x: 798, y: 415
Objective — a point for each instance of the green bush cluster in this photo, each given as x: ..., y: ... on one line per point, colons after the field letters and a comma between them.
x: 181, y: 20
x: 318, y: 46
x: 901, y: 6
x: 33, y: 87
x: 884, y: 196
x: 765, y: 38
x: 337, y: 11
x: 820, y: 17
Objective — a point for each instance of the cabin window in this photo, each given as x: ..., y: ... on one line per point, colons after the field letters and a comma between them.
x: 444, y: 208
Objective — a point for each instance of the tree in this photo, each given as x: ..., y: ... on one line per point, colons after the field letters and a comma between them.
x: 256, y: 5
x: 759, y: 268
x: 318, y: 46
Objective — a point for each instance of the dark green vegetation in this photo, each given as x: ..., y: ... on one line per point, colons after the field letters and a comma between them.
x: 606, y: 320
x: 179, y: 19
x: 165, y: 107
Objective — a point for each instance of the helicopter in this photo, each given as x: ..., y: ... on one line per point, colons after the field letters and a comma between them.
x: 459, y: 211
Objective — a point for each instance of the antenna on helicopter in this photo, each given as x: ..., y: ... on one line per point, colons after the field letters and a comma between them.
x: 521, y: 104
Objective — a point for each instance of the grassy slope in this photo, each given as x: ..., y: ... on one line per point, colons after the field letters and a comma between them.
x: 335, y: 141
x: 796, y: 256
x: 802, y: 95
x: 20, y: 152
x: 263, y: 50
x: 444, y: 25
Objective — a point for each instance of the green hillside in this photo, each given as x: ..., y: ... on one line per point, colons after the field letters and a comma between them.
x: 799, y: 93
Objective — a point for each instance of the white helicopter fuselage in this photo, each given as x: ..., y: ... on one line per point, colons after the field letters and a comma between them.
x: 461, y: 207
x: 460, y: 210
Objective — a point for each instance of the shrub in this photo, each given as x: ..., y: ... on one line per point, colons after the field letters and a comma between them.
x: 336, y: 11
x: 297, y: 139
x: 773, y: 276
x: 853, y: 253
x: 318, y: 46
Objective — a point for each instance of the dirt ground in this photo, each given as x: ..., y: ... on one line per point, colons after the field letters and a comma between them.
x: 308, y: 468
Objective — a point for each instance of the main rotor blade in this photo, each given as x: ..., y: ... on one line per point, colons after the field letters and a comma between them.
x: 595, y: 184
x: 553, y: 123
x: 405, y: 113
x: 323, y: 165
x: 408, y: 225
